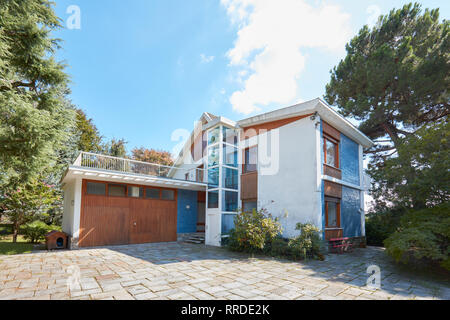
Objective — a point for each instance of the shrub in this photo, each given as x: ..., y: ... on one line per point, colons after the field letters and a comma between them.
x: 5, y: 229
x: 380, y: 225
x: 36, y: 230
x: 280, y: 247
x: 307, y: 245
x: 253, y: 231
x: 423, y: 236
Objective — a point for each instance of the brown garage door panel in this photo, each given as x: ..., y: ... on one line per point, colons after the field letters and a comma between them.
x: 104, y: 221
x: 153, y: 221
x: 109, y: 220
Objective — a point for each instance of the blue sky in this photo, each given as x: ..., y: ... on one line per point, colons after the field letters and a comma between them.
x: 145, y: 70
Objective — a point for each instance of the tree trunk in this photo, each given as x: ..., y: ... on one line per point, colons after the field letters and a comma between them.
x: 15, y: 231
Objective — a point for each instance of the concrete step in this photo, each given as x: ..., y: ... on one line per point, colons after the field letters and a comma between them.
x: 197, y: 235
x: 194, y: 241
x: 196, y: 238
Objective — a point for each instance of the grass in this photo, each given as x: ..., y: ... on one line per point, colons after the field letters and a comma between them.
x: 7, y: 247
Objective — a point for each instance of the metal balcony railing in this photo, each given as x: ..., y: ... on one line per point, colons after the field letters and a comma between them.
x: 104, y: 162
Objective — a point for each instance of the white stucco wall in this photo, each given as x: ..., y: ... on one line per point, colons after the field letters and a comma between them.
x: 72, y: 210
x: 76, y: 211
x: 289, y: 189
x: 69, y: 196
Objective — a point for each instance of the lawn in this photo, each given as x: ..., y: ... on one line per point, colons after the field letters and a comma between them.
x: 7, y: 247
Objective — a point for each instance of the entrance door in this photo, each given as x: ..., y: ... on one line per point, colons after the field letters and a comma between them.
x: 213, y: 227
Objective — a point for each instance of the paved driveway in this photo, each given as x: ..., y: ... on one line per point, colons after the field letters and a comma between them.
x: 187, y: 271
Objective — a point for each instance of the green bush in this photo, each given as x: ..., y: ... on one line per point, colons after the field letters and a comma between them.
x: 380, y: 225
x: 307, y: 245
x: 280, y: 247
x: 36, y: 230
x: 423, y: 236
x: 5, y: 229
x: 253, y: 231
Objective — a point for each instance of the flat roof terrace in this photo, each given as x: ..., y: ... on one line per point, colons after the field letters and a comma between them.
x: 107, y: 168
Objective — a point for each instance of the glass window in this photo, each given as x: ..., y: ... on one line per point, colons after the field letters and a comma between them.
x: 332, y: 214
x: 213, y: 177
x: 229, y: 201
x: 251, y: 159
x: 117, y: 190
x: 248, y: 206
x: 167, y: 194
x: 96, y: 188
x: 331, y: 153
x: 230, y: 178
x: 213, y: 199
x: 199, y: 172
x: 227, y: 222
x: 213, y: 135
x: 135, y: 192
x: 213, y: 156
x: 151, y: 193
x: 230, y: 135
x: 230, y: 156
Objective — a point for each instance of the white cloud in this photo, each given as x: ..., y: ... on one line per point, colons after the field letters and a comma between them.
x: 268, y: 46
x: 206, y: 59
x: 374, y: 12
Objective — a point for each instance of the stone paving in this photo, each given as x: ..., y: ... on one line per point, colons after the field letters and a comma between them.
x: 195, y: 272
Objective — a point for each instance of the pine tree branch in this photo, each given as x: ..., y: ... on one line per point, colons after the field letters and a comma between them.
x: 17, y: 84
x: 380, y: 150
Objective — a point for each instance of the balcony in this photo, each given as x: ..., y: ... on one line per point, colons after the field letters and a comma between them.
x: 149, y: 171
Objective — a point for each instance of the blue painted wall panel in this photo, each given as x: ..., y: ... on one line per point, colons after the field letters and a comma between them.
x: 227, y: 222
x: 349, y: 160
x: 187, y: 218
x: 350, y: 215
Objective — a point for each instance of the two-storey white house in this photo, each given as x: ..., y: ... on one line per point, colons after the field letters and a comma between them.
x: 302, y: 163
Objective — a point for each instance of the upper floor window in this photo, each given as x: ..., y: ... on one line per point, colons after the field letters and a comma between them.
x: 331, y: 152
x: 250, y: 159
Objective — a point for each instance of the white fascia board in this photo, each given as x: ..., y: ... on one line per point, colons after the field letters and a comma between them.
x: 312, y: 106
x: 292, y: 111
x: 116, y: 176
x: 342, y: 124
x: 220, y: 120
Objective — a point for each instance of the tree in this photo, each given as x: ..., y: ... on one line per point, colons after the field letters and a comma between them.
x: 27, y: 202
x: 89, y: 139
x: 422, y: 236
x: 34, y: 118
x: 421, y: 174
x: 152, y: 156
x: 394, y: 80
x: 116, y: 148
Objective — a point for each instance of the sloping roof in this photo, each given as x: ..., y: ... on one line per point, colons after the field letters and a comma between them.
x: 316, y: 105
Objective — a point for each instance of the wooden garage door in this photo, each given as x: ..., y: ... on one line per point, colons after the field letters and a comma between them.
x: 111, y: 220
